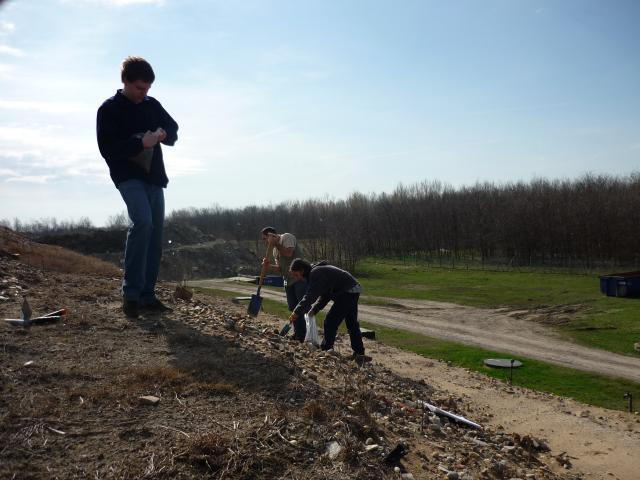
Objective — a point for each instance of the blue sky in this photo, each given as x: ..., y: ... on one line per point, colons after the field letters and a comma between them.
x: 286, y: 100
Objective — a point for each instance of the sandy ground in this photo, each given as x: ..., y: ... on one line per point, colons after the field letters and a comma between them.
x: 486, y: 328
x: 601, y: 444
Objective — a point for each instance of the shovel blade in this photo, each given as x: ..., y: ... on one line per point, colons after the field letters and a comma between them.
x: 254, y: 305
x: 285, y: 330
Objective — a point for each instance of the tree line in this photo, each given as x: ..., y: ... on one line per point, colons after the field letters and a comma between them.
x: 589, y: 222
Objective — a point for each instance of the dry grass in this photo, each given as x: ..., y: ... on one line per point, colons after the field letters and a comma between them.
x: 163, y: 377
x: 35, y: 405
x: 210, y: 388
x: 126, y: 385
x: 315, y: 410
x: 208, y: 451
x: 156, y: 376
x: 52, y: 258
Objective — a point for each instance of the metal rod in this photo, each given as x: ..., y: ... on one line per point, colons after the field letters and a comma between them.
x: 511, y: 372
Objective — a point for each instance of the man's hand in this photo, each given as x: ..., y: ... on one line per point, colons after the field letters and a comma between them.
x: 293, y: 317
x: 160, y: 134
x: 149, y: 139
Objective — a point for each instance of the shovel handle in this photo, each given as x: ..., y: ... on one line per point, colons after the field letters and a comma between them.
x: 262, y: 271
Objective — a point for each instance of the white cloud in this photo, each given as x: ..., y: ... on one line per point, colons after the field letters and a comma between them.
x: 38, y: 179
x: 38, y: 138
x: 45, y: 107
x: 7, y: 172
x: 36, y: 154
x: 180, y: 166
x: 5, y: 69
x: 6, y: 27
x: 8, y: 50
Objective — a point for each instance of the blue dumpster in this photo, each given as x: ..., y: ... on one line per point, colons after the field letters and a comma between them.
x: 626, y: 284
x: 273, y: 280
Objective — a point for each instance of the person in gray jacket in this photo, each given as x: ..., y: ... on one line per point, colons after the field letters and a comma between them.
x: 325, y: 283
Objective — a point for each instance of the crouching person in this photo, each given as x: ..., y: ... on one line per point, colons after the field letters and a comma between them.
x: 324, y: 283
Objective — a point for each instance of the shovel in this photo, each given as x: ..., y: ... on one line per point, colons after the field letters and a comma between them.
x: 256, y: 300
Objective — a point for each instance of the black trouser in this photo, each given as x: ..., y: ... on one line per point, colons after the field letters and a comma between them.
x: 345, y: 307
x: 294, y: 293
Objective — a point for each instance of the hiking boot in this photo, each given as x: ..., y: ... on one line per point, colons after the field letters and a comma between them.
x: 130, y: 308
x: 155, y: 306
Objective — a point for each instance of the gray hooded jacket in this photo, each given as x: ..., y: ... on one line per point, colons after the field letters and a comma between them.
x: 326, y: 282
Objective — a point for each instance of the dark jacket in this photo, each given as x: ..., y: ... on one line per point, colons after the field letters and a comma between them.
x: 118, y: 122
x: 326, y: 282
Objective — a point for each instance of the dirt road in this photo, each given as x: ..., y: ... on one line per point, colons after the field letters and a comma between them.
x: 486, y: 328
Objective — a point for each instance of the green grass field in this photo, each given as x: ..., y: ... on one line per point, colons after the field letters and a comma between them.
x: 604, y: 322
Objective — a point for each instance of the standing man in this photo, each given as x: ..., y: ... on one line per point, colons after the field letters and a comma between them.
x: 326, y: 283
x: 285, y: 249
x: 130, y: 127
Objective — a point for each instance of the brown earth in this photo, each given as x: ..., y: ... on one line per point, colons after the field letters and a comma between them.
x: 237, y: 401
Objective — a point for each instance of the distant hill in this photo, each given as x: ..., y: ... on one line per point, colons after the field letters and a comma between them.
x: 51, y: 257
x: 188, y: 253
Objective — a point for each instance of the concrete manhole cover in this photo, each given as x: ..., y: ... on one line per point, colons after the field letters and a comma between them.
x: 502, y: 363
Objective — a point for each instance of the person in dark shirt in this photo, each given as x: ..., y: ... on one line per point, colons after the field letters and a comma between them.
x: 325, y: 283
x: 130, y: 127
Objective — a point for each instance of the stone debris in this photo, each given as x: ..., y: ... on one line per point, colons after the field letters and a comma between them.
x: 564, y: 460
x: 333, y: 450
x: 149, y: 400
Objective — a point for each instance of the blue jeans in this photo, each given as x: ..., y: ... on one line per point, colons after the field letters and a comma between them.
x: 295, y: 293
x: 345, y: 307
x: 145, y: 205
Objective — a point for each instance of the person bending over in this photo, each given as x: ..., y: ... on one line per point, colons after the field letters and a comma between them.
x: 327, y: 282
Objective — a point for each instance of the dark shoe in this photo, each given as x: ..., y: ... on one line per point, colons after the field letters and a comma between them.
x: 361, y: 359
x: 130, y: 308
x: 155, y: 306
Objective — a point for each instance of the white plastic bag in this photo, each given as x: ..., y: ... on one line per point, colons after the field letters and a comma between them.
x: 312, y: 330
